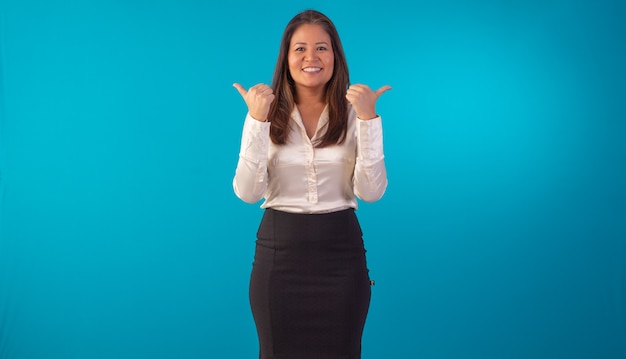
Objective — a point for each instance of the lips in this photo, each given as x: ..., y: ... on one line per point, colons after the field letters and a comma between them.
x: 312, y: 69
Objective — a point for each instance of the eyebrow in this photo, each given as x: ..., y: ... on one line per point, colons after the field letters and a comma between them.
x: 305, y: 43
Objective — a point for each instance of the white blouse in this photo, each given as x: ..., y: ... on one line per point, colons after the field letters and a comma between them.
x: 299, y: 178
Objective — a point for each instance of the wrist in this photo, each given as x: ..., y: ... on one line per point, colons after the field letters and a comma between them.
x: 367, y: 117
x: 260, y: 119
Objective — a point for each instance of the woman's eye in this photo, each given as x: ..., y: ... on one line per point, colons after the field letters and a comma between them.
x: 321, y: 48
x: 299, y: 49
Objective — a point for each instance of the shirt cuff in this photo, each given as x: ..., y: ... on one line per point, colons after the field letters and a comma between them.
x: 370, y: 139
x: 255, y: 139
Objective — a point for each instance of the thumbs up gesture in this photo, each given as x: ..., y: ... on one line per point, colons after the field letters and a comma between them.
x: 258, y: 99
x: 363, y: 100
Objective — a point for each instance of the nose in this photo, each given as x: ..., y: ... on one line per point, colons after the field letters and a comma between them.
x: 310, y: 54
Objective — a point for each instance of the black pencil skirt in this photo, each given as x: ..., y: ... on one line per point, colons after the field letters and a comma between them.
x: 309, y: 288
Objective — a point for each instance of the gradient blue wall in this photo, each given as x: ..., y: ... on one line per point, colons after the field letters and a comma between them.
x: 502, y: 234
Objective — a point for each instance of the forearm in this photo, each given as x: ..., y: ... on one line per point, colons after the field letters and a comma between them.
x: 250, y: 179
x: 370, y: 173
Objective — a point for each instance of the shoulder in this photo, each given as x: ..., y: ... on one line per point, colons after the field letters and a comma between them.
x: 351, y: 114
x: 352, y: 121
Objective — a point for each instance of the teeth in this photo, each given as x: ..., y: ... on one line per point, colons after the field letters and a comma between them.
x: 311, y: 69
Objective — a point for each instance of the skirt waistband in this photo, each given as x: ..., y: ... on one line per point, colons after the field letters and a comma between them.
x: 279, y: 225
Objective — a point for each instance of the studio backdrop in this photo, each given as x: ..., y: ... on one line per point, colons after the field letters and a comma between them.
x: 502, y: 233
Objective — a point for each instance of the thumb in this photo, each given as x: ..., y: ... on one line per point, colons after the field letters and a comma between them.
x: 382, y: 90
x: 242, y: 91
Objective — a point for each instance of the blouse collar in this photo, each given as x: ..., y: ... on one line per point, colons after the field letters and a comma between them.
x: 321, y: 123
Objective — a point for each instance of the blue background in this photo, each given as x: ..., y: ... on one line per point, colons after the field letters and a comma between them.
x: 502, y: 233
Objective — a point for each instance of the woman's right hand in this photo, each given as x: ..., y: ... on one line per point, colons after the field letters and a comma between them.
x: 258, y: 98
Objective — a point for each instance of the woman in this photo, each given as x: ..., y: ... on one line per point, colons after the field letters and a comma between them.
x: 311, y: 144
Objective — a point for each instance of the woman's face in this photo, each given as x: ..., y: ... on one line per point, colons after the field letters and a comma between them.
x: 311, y: 59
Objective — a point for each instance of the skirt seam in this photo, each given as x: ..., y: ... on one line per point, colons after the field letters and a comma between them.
x: 271, y: 284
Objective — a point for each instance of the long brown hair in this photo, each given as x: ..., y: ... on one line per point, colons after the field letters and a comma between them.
x: 284, y: 86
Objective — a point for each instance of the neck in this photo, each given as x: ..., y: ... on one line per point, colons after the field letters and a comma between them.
x: 310, y: 96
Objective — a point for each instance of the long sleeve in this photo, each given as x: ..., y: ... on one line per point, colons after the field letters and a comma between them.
x: 370, y: 173
x: 250, y: 180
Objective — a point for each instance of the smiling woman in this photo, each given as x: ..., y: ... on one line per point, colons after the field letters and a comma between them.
x: 321, y: 149
x: 500, y: 235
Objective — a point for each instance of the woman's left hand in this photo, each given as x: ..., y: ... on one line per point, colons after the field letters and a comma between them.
x: 363, y: 100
